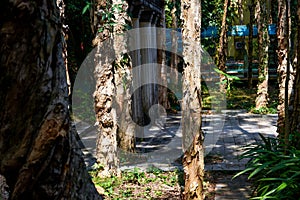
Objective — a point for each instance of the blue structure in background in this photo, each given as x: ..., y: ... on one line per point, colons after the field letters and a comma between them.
x: 237, y: 30
x: 211, y: 31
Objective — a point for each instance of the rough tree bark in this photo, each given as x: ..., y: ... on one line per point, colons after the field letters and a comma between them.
x: 40, y: 156
x: 262, y: 12
x: 106, y: 114
x: 112, y: 95
x: 123, y: 79
x: 295, y: 120
x: 285, y: 79
x: 193, y: 160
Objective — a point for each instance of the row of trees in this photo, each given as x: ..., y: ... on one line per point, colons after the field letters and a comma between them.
x: 262, y: 13
x: 40, y: 155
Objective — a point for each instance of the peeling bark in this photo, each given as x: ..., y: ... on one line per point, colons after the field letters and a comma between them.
x: 193, y: 160
x: 112, y: 93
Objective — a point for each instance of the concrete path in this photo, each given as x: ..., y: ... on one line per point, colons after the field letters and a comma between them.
x: 240, y: 129
x: 225, y: 136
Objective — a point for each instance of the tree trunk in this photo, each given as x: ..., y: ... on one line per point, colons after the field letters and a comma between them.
x: 123, y: 79
x: 161, y: 60
x: 174, y: 57
x: 250, y: 43
x: 193, y: 160
x: 295, y: 120
x: 40, y: 156
x: 106, y: 114
x: 222, y: 50
x: 284, y: 79
x: 263, y: 54
x: 112, y: 94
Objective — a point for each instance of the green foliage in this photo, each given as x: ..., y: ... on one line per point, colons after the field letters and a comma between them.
x: 264, y: 110
x: 136, y: 183
x: 171, y: 6
x: 87, y: 7
x: 240, y: 98
x: 135, y: 176
x: 212, y: 13
x: 229, y: 79
x: 275, y: 170
x: 107, y: 14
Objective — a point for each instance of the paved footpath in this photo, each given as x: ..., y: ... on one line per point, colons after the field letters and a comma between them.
x: 240, y: 129
x: 225, y: 136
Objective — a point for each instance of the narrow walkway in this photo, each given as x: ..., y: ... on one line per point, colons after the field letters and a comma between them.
x: 240, y: 129
x: 225, y: 136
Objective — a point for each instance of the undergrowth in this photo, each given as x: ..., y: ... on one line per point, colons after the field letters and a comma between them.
x: 274, y: 169
x: 240, y: 98
x: 139, y: 184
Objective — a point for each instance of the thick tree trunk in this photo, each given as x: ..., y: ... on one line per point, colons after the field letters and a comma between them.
x: 295, y: 120
x: 106, y: 114
x: 193, y: 160
x: 263, y: 54
x: 123, y: 79
x: 285, y: 79
x: 112, y: 94
x: 40, y: 156
x: 222, y: 49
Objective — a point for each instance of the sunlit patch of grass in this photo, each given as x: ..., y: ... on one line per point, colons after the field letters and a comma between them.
x: 137, y: 184
x: 239, y: 98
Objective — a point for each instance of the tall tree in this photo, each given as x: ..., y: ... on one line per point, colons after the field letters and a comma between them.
x: 105, y: 92
x: 251, y: 7
x: 222, y: 49
x: 295, y: 119
x: 112, y: 95
x: 174, y: 57
x: 40, y: 156
x: 285, y: 79
x: 262, y: 11
x: 193, y: 160
x: 123, y: 78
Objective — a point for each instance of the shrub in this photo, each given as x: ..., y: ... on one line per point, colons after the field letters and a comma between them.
x: 275, y: 170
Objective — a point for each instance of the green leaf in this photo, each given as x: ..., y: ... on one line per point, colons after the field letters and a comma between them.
x: 87, y: 7
x: 260, y: 169
x: 101, y: 29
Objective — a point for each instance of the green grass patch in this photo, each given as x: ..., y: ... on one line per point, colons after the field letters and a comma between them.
x: 240, y: 98
x: 138, y: 184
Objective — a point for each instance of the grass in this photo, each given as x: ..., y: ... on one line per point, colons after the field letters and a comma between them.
x: 240, y: 97
x: 138, y: 184
x: 152, y: 183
